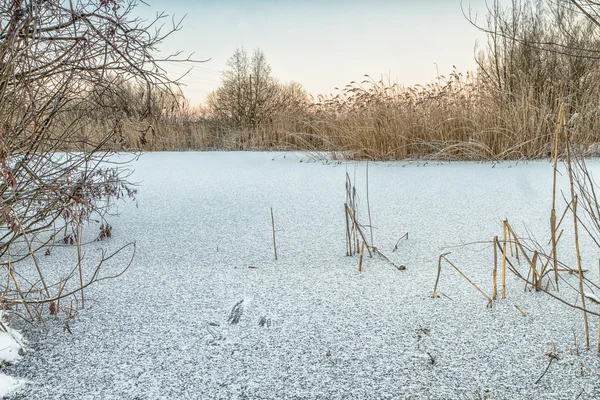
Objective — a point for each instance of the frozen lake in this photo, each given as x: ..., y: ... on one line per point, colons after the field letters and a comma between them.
x: 310, y: 325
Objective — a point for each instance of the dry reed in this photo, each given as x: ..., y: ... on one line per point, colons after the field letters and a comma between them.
x: 273, y: 226
x: 454, y: 118
x: 443, y: 257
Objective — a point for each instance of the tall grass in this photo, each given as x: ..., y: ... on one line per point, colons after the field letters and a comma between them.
x: 456, y: 117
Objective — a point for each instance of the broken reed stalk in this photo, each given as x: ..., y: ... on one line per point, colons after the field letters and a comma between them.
x: 369, y: 205
x: 577, y: 252
x: 79, y: 255
x: 518, y: 247
x: 510, y: 245
x: 512, y: 239
x: 357, y: 227
x: 351, y: 201
x: 537, y: 276
x: 550, y: 257
x: 348, y: 235
x: 437, y: 278
x: 537, y: 281
x: 562, y: 218
x: 273, y: 226
x: 504, y: 260
x: 362, y: 253
x: 495, y: 291
x: 398, y: 242
x: 443, y: 256
x: 518, y: 275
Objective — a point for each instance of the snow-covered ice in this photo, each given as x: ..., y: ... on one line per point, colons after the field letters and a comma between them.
x: 205, y: 312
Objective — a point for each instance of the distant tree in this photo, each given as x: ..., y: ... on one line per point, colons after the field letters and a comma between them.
x: 249, y: 96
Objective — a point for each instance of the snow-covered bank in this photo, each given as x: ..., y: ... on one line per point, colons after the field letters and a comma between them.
x: 206, y: 311
x: 11, y: 350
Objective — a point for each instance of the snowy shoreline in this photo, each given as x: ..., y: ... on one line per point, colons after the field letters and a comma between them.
x: 12, y: 349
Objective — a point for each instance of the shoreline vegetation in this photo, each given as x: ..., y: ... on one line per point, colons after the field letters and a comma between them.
x: 452, y: 119
x: 539, y: 56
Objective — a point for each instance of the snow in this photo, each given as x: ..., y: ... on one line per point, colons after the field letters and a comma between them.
x: 206, y: 312
x: 11, y: 348
x: 9, y: 384
x: 590, y: 296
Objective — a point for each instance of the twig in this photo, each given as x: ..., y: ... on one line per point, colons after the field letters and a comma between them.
x: 10, y: 271
x: 546, y: 370
x: 521, y: 311
x: 93, y: 279
x: 78, y: 239
x: 398, y: 267
x: 398, y: 242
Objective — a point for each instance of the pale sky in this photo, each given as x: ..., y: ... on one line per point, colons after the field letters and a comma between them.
x: 323, y: 44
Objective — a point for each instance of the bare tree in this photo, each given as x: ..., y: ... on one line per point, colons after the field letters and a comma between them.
x: 249, y: 96
x: 53, y: 54
x: 547, y: 48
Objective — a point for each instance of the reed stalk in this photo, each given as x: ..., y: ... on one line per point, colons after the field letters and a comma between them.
x: 577, y: 251
x: 273, y: 227
x: 504, y: 234
x: 362, y: 253
x: 348, y: 235
x: 553, y: 225
x: 495, y: 274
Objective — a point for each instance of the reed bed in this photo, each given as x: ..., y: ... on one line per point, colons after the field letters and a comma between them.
x: 459, y: 117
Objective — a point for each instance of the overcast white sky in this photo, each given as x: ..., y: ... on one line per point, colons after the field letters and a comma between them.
x: 323, y: 44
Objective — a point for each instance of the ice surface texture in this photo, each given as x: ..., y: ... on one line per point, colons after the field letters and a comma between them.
x: 206, y: 312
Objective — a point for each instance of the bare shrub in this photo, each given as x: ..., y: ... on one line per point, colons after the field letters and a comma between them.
x: 53, y: 55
